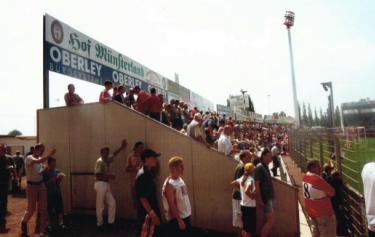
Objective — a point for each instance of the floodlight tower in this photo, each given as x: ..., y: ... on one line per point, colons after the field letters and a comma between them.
x: 328, y: 86
x: 289, y: 22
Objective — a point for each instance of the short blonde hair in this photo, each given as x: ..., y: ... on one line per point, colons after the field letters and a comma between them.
x: 175, y: 161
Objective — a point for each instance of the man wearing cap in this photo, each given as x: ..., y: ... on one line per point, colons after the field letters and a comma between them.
x: 368, y: 177
x: 145, y: 188
x: 102, y: 187
x: 245, y: 157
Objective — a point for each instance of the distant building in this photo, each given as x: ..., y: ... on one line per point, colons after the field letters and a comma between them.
x: 18, y: 143
x: 239, y: 104
x: 359, y: 114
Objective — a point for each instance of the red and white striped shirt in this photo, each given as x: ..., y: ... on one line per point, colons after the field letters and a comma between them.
x: 317, y: 193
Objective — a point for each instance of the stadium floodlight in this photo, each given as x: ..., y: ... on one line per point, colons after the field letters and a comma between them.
x: 289, y: 19
x: 289, y: 22
x: 326, y: 85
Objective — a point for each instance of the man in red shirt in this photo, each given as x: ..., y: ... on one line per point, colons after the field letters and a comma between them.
x: 105, y: 97
x: 317, y: 193
x: 154, y: 105
x: 142, y: 97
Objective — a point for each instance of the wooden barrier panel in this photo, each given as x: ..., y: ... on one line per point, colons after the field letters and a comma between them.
x: 53, y: 132
x: 286, y: 210
x: 79, y: 132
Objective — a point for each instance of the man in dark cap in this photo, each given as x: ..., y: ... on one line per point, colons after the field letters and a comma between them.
x: 145, y: 188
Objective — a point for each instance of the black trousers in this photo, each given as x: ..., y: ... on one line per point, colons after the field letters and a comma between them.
x: 371, y: 233
x: 155, y: 116
x: 3, y: 203
x: 174, y: 231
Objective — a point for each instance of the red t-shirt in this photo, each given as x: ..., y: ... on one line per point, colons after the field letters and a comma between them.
x: 154, y: 104
x: 104, y: 97
x: 230, y: 123
x: 317, y: 193
x: 141, y: 102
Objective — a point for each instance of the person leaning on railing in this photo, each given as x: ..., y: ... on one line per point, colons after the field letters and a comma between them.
x: 317, y: 193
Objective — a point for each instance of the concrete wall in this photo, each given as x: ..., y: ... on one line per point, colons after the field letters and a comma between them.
x: 79, y: 132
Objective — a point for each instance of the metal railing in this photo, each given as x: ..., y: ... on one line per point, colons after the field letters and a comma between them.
x: 347, y: 156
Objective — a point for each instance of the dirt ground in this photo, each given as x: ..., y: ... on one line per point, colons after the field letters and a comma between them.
x: 79, y: 226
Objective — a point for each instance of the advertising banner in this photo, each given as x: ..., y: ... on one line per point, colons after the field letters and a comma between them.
x: 173, y: 86
x: 72, y: 53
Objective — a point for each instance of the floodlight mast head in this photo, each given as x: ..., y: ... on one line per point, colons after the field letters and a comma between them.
x: 289, y: 19
x: 326, y: 85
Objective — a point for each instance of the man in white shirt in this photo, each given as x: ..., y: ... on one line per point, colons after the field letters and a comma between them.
x: 36, y: 190
x: 224, y: 142
x: 368, y: 177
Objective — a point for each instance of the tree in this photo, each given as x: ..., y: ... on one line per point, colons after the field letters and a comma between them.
x: 316, y: 119
x: 14, y: 133
x: 337, y: 117
x: 304, y: 115
x: 309, y: 115
x: 251, y: 105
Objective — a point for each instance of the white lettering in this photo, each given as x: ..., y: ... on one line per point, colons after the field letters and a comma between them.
x: 55, y: 54
x: 66, y: 59
x: 115, y: 76
x: 81, y: 63
x: 98, y: 69
x: 73, y: 61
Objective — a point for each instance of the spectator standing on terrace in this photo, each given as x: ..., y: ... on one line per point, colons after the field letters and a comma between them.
x: 140, y: 104
x: 224, y: 142
x: 119, y: 96
x: 104, y: 96
x: 134, y: 163
x: 103, y: 176
x: 72, y: 98
x: 265, y: 192
x: 338, y: 204
x: 145, y: 188
x: 36, y: 190
x: 52, y: 178
x: 154, y: 105
x: 20, y: 169
x: 317, y: 193
x: 5, y: 171
x: 129, y: 99
x: 275, y: 159
x: 245, y: 157
x: 368, y: 178
x: 176, y: 201
x: 194, y: 129
x: 248, y: 203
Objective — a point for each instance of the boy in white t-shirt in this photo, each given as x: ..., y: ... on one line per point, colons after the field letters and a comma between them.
x: 248, y: 204
x: 176, y: 201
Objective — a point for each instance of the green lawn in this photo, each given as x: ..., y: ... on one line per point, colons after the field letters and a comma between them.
x: 355, y: 158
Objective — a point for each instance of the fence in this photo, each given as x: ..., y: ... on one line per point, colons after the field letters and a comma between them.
x: 347, y: 155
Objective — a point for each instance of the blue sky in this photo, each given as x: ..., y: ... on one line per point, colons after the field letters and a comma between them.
x: 217, y: 47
